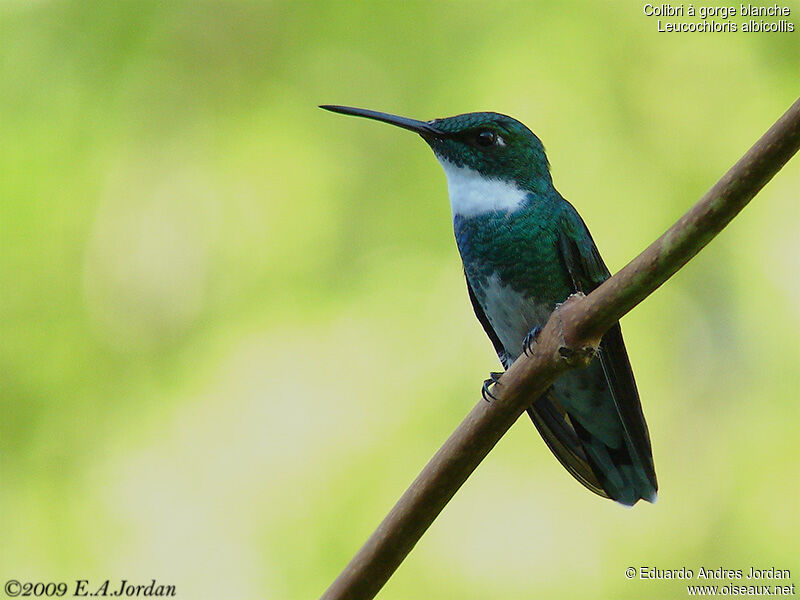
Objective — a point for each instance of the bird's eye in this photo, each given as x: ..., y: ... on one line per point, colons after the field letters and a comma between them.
x: 486, y: 138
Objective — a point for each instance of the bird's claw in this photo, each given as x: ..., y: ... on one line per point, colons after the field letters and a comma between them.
x: 530, y: 339
x: 493, y: 379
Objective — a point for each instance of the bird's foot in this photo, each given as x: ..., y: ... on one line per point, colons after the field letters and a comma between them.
x: 493, y: 378
x: 530, y: 340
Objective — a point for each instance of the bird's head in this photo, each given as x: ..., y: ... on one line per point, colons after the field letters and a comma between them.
x: 492, y: 145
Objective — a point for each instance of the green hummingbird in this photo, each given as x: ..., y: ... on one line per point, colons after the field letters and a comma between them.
x: 525, y: 249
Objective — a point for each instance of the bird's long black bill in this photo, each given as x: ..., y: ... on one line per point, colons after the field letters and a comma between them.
x: 420, y: 127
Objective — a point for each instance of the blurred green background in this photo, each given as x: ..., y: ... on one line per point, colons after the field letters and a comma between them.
x: 234, y: 327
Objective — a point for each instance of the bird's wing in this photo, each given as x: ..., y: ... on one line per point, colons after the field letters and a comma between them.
x: 487, y: 327
x: 556, y: 429
x: 587, y: 270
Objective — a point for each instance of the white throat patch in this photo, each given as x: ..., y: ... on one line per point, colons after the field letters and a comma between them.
x: 472, y: 194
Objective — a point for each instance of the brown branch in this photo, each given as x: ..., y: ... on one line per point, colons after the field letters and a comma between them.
x: 568, y: 340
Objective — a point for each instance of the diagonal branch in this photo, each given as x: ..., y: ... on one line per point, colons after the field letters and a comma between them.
x: 569, y: 340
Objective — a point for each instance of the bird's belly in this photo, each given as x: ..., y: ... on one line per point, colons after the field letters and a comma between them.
x: 512, y: 314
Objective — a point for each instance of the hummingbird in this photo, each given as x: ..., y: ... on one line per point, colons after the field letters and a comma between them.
x: 524, y: 250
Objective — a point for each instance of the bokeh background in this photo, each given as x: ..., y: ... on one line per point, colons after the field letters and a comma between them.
x: 233, y: 327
